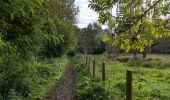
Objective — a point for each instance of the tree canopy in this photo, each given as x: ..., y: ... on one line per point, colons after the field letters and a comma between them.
x: 88, y: 38
x: 137, y: 23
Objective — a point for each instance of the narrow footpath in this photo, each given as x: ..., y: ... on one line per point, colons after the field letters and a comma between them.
x: 67, y: 87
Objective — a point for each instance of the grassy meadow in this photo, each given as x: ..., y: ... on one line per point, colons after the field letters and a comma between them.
x: 151, y: 77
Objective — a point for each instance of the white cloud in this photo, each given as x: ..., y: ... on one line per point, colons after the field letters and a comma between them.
x: 86, y: 15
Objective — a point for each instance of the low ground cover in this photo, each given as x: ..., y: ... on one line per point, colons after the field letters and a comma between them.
x: 43, y: 76
x: 151, y: 79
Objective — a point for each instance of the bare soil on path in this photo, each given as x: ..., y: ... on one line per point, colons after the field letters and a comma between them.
x: 67, y: 87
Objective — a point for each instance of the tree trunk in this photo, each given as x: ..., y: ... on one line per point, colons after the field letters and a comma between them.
x: 134, y: 53
x: 117, y: 51
x: 145, y: 53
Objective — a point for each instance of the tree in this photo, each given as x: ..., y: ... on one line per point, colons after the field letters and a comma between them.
x: 137, y: 23
x: 109, y: 47
x: 161, y: 46
x: 63, y: 13
x: 89, y: 38
x: 26, y: 26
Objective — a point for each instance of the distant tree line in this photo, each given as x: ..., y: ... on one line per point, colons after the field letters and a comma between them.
x: 90, y: 41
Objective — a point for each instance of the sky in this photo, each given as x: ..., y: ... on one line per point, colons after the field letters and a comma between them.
x: 86, y: 15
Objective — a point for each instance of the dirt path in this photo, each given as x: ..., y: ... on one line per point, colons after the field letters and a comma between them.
x: 67, y: 87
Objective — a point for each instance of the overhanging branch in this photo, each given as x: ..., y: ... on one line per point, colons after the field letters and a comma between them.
x: 140, y: 18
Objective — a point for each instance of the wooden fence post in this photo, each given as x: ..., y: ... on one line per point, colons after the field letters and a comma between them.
x: 129, y: 85
x: 93, y: 69
x: 103, y: 72
x: 86, y: 60
x: 89, y: 65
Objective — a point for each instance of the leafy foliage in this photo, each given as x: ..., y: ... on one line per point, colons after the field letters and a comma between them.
x: 87, y: 88
x: 62, y: 19
x: 136, y: 24
x: 27, y: 27
x: 89, y: 39
x: 91, y: 91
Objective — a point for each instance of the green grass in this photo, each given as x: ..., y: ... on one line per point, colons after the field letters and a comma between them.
x: 150, y: 82
x: 48, y: 74
x: 44, y: 75
x: 34, y: 78
x: 87, y: 88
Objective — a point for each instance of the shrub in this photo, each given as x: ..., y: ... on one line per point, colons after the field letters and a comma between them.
x: 13, y: 95
x: 91, y: 91
x: 44, y: 71
x: 88, y: 89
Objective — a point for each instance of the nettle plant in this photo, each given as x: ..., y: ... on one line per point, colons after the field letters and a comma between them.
x: 136, y: 24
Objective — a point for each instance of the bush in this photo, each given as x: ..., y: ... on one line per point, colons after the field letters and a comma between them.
x: 44, y: 71
x: 88, y: 89
x: 32, y: 79
x: 91, y: 91
x: 13, y: 95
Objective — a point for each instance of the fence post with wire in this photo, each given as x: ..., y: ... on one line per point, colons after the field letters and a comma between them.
x: 129, y: 85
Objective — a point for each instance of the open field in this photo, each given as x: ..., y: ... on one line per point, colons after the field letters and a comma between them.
x: 151, y: 77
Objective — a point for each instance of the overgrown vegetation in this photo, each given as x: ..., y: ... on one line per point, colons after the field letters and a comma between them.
x: 32, y: 31
x: 42, y: 77
x: 87, y: 87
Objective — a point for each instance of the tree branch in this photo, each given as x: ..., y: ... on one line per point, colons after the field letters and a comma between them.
x: 140, y: 18
x: 164, y: 23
